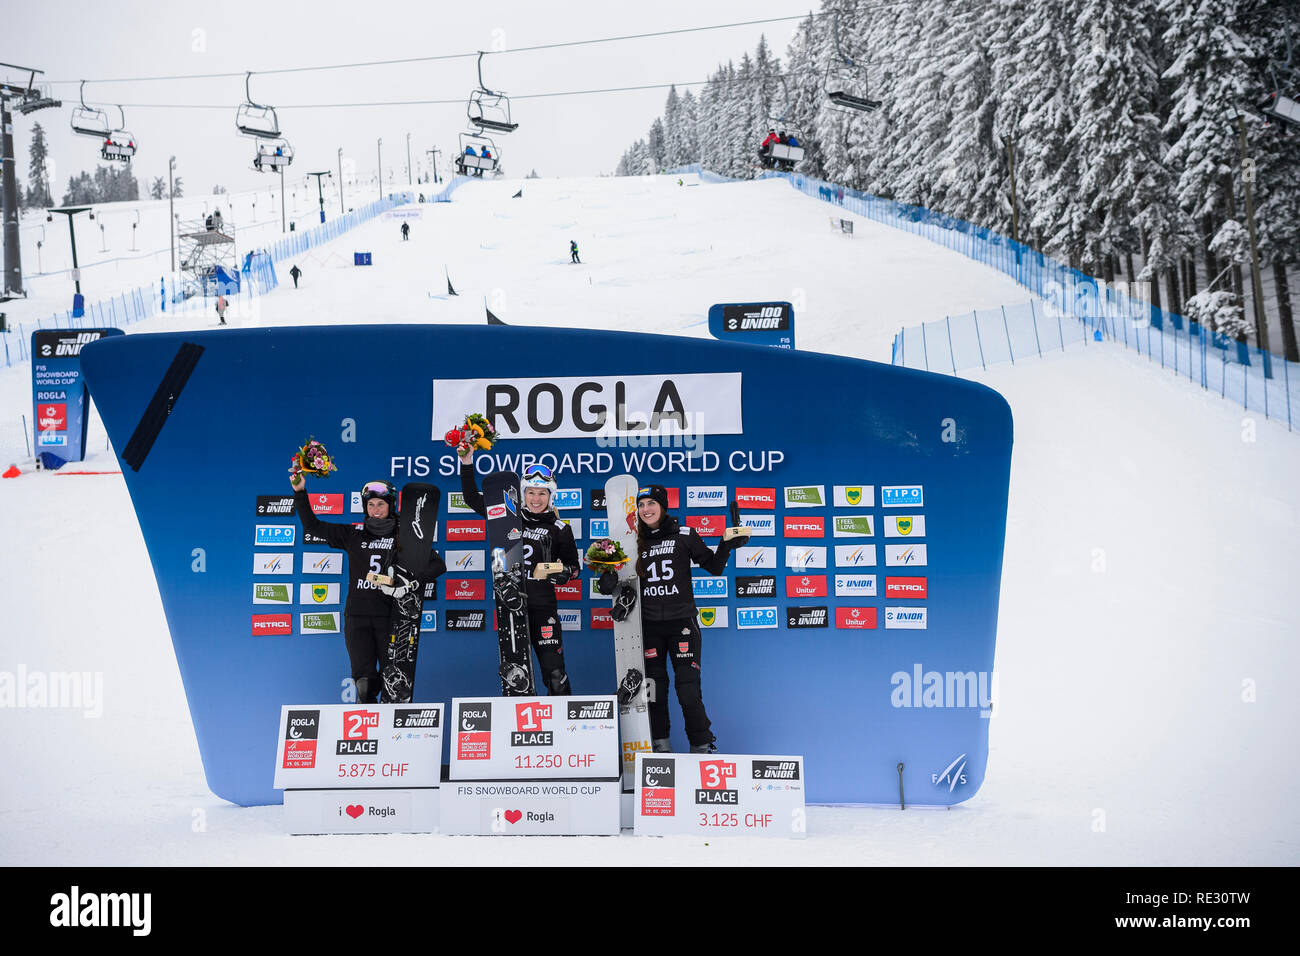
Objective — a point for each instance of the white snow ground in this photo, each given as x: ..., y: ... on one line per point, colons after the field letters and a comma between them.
x: 1147, y: 630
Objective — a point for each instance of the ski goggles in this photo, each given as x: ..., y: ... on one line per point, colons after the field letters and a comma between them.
x: 538, y: 471
x: 380, y: 488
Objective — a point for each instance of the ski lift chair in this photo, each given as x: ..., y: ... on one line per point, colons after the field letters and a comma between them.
x: 488, y: 109
x: 88, y: 121
x: 476, y: 164
x: 253, y: 119
x: 272, y: 155
x: 118, y: 145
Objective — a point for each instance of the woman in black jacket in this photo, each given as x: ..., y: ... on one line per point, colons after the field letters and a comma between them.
x: 670, y: 629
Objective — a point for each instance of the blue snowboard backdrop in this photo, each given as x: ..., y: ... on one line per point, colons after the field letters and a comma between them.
x: 795, y: 672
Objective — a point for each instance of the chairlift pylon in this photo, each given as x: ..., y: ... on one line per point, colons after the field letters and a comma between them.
x: 847, y: 87
x: 89, y: 121
x: 475, y: 162
x: 254, y: 119
x: 489, y: 109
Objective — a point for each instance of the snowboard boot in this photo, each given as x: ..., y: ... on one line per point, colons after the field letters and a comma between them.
x: 508, y: 592
x: 661, y: 745
x: 368, y: 689
x: 705, y: 748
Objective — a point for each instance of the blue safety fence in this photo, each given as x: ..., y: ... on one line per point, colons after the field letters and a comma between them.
x: 1075, y: 309
x: 177, y: 294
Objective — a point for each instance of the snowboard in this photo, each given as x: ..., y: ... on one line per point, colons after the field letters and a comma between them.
x: 634, y: 689
x: 505, y: 540
x: 417, y: 518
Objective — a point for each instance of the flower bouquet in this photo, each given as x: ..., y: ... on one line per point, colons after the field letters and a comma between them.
x: 313, y: 459
x: 475, y: 432
x: 606, y: 554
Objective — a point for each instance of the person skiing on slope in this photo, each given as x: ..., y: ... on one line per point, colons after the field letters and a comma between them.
x: 669, y: 617
x: 295, y: 272
x: 370, y: 546
x: 546, y: 539
x: 573, y: 252
x: 406, y: 231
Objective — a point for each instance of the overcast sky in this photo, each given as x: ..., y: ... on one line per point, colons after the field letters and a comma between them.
x: 559, y: 136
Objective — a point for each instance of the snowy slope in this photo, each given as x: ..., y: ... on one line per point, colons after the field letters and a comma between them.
x: 1149, y: 551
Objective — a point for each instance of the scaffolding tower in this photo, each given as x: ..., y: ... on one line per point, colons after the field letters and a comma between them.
x: 207, y: 248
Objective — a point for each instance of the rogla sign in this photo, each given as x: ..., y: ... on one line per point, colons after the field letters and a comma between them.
x: 588, y: 407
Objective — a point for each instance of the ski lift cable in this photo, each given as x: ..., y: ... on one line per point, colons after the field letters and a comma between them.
x: 462, y: 56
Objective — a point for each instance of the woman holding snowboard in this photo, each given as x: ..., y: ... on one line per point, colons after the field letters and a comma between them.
x: 546, y: 540
x: 669, y: 618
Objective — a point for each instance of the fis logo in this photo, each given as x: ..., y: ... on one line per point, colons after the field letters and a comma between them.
x: 902, y: 496
x: 281, y: 563
x: 905, y: 555
x: 854, y: 496
x: 756, y: 557
x: 322, y: 562
x: 798, y: 558
x: 952, y: 775
x: 855, y: 555
x: 465, y: 562
x: 275, y: 535
x: 748, y: 618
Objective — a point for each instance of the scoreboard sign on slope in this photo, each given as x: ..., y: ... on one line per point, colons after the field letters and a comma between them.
x: 916, y: 456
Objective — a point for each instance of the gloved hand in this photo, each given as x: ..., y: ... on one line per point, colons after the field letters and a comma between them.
x: 607, y: 582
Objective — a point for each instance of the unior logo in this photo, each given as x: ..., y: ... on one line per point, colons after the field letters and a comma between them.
x: 774, y: 769
x: 759, y: 586
x: 466, y: 620
x: 424, y: 717
x: 590, y: 709
x: 907, y: 618
x: 806, y: 617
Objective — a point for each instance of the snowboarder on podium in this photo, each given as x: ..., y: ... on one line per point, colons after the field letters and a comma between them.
x: 370, y: 546
x: 546, y: 539
x: 669, y: 617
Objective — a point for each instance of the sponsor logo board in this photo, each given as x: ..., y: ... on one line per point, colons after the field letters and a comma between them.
x: 756, y: 617
x: 910, y: 618
x: 905, y: 555
x: 272, y: 624
x: 275, y: 535
x: 855, y: 585
x: 324, y: 593
x: 280, y: 563
x: 322, y: 562
x: 902, y: 496
x: 854, y: 496
x: 272, y: 594
x: 855, y: 618
x: 805, y: 496
x: 905, y: 526
x: 855, y: 555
